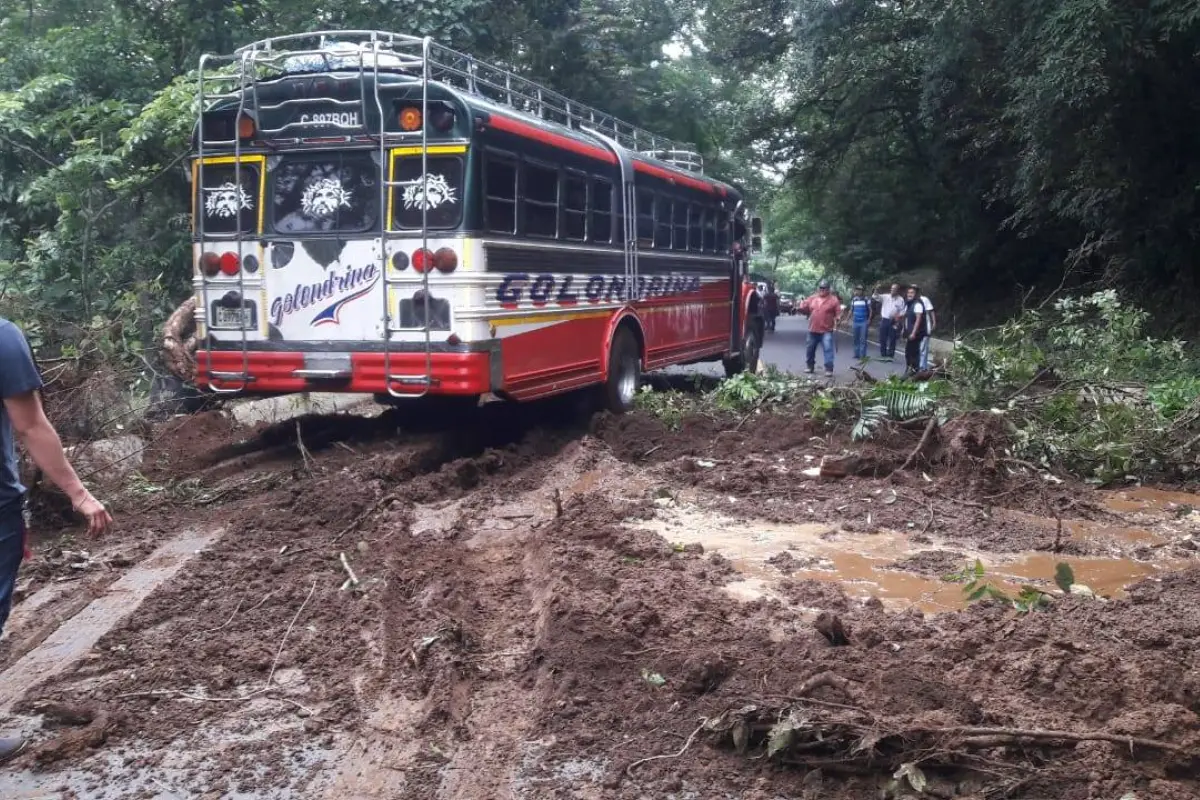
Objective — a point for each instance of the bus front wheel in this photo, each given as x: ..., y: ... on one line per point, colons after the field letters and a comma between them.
x: 624, y: 372
x: 747, y: 360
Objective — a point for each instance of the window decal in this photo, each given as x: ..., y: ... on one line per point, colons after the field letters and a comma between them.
x: 322, y: 198
x: 226, y: 200
x: 435, y: 192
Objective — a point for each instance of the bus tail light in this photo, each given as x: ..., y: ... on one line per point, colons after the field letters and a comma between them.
x: 445, y: 259
x: 422, y: 260
x: 399, y: 261
x: 230, y: 263
x: 210, y: 264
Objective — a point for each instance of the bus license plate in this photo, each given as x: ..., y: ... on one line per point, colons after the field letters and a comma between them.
x: 232, y: 317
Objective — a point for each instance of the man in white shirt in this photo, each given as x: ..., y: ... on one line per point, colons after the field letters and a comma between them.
x: 891, y: 306
x: 930, y: 324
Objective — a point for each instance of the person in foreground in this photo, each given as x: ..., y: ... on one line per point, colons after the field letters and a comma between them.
x: 21, y: 413
x: 823, y: 310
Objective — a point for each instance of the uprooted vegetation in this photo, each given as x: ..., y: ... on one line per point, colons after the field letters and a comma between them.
x: 1078, y: 388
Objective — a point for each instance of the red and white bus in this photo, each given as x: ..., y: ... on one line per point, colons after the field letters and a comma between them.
x: 376, y: 213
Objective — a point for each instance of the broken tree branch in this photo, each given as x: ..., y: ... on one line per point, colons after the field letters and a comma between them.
x: 353, y: 580
x: 912, y: 457
x: 687, y: 745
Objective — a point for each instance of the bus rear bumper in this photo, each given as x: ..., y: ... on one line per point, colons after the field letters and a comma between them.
x: 285, y: 372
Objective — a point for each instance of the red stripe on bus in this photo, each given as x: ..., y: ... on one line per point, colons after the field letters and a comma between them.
x: 667, y: 175
x: 546, y: 137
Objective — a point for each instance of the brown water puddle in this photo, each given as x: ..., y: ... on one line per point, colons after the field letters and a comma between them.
x: 1079, y: 530
x: 1143, y: 498
x: 859, y: 562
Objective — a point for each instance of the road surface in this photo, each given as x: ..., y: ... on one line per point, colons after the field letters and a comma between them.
x: 784, y: 349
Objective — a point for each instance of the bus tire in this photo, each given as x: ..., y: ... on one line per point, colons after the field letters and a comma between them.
x: 747, y: 360
x: 624, y: 372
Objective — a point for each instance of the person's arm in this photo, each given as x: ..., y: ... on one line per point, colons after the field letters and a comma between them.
x: 932, y: 320
x: 45, y: 448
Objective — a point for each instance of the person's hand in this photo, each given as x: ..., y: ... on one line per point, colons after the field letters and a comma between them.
x: 98, y: 518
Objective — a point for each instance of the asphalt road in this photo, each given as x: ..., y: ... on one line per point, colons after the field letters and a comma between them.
x: 784, y: 349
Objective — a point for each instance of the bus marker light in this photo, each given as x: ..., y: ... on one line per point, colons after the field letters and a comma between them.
x: 445, y: 259
x: 410, y: 119
x: 246, y: 127
x: 229, y: 263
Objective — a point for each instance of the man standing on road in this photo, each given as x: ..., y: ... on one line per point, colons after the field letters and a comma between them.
x: 822, y: 310
x: 914, y: 330
x: 21, y: 412
x: 771, y: 303
x: 930, y: 324
x: 861, y: 314
x: 891, y: 306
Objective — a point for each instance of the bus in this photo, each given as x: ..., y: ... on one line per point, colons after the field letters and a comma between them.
x: 376, y: 213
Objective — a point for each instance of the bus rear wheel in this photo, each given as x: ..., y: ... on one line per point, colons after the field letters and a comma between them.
x: 624, y: 372
x: 747, y: 360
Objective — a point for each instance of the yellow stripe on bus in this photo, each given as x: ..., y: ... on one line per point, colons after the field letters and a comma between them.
x: 533, y: 319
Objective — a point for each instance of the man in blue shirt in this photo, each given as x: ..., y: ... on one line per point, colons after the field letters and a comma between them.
x: 21, y: 414
x: 860, y: 317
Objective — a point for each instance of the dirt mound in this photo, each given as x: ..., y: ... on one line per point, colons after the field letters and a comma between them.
x: 472, y: 608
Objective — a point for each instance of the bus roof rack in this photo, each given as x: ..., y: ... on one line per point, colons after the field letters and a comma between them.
x: 380, y: 51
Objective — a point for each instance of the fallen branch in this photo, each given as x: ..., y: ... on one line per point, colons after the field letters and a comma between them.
x: 361, y: 518
x: 687, y: 745
x: 830, y: 680
x: 279, y: 652
x: 912, y: 457
x: 998, y: 737
x: 353, y: 579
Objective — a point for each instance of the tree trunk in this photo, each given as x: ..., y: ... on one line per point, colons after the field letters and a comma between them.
x: 179, y: 341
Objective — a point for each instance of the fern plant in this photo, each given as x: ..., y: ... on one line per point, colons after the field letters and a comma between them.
x: 895, y: 399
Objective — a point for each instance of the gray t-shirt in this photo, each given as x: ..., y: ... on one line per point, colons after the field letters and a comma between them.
x: 18, y: 375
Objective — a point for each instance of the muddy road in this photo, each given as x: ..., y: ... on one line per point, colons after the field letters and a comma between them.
x: 534, y: 603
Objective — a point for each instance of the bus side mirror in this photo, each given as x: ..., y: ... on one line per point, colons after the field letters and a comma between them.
x: 756, y: 226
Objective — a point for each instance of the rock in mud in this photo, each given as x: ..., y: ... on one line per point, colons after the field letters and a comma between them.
x: 831, y: 627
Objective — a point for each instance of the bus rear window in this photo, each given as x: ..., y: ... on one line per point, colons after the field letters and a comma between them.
x: 326, y: 193
x: 438, y: 197
x: 226, y: 208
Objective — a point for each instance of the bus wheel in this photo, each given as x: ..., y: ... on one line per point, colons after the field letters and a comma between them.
x: 747, y: 360
x: 624, y: 373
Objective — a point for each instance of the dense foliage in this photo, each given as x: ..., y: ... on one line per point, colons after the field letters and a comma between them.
x: 994, y: 141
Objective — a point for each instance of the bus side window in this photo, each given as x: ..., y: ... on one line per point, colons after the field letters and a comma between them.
x: 602, y: 206
x: 645, y: 220
x: 710, y: 231
x: 681, y: 225
x: 574, y: 207
x: 662, y: 235
x: 500, y: 188
x: 695, y: 228
x: 541, y: 201
x: 723, y: 241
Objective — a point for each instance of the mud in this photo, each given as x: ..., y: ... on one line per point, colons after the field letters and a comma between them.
x: 540, y: 601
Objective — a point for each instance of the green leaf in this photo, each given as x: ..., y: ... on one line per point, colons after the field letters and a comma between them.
x: 979, y: 571
x: 978, y: 593
x: 913, y: 774
x: 782, y: 734
x: 1064, y: 576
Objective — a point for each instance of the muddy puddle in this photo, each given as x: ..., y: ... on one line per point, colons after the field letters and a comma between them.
x: 890, y: 566
x: 1146, y: 499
